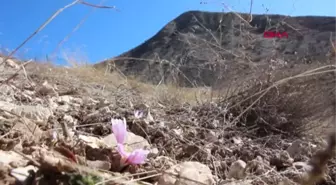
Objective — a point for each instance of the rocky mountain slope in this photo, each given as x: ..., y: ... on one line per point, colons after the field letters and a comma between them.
x: 203, y: 48
x: 80, y: 125
x: 56, y: 128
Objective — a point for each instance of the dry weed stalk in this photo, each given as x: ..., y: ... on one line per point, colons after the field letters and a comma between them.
x: 316, y: 71
x: 48, y: 21
x: 319, y: 162
x: 80, y: 23
x: 22, y: 67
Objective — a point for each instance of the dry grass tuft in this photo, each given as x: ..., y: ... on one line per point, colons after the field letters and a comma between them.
x: 290, y: 108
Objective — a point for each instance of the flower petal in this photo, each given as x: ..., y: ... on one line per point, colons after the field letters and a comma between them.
x: 138, y: 156
x: 121, y: 150
x: 119, y: 129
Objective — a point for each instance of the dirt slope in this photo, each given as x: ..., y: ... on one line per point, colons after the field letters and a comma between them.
x: 55, y: 128
x: 198, y: 48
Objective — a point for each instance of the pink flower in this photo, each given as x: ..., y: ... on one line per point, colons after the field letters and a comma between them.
x: 138, y: 156
x: 119, y: 129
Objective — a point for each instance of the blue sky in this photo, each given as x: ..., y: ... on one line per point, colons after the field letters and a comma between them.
x: 107, y: 33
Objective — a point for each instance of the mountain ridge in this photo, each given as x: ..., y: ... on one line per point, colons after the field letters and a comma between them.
x: 197, y: 48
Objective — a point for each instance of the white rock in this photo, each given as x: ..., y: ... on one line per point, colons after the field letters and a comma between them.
x: 7, y: 157
x: 12, y: 64
x: 63, y: 108
x: 161, y: 124
x: 52, y: 104
x: 37, y: 112
x: 21, y: 174
x: 187, y: 173
x: 237, y: 170
x: 78, y: 101
x: 64, y: 99
x: 177, y: 131
x: 47, y: 89
x: 70, y: 120
x: 149, y: 118
x: 237, y: 140
x: 132, y: 141
x: 302, y: 165
x: 93, y: 142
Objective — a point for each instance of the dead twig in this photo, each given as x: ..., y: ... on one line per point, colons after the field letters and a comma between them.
x: 37, y: 164
x: 48, y: 21
x: 81, y: 22
x: 98, y: 6
x: 16, y: 73
x: 39, y: 29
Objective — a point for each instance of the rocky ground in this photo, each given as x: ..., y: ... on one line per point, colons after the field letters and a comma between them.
x: 56, y: 129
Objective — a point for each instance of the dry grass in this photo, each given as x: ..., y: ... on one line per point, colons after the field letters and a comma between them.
x: 291, y: 106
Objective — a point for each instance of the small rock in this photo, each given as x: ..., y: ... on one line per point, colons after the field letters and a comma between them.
x: 70, y: 120
x: 12, y: 64
x: 64, y: 99
x: 153, y: 152
x: 161, y: 124
x: 187, y: 173
x: 96, y: 114
x: 8, y: 157
x: 46, y: 89
x: 282, y: 160
x: 214, y: 124
x: 22, y: 174
x: 211, y: 136
x: 237, y: 170
x: 29, y: 93
x: 149, y: 118
x: 93, y: 142
x: 163, y: 161
x: 177, y: 131
x: 132, y: 141
x: 52, y: 104
x: 294, y: 149
x: 63, y: 108
x: 89, y: 101
x: 237, y: 140
x: 22, y: 97
x: 104, y: 110
x: 78, y: 101
x: 102, y: 165
x: 302, y: 165
x: 37, y: 112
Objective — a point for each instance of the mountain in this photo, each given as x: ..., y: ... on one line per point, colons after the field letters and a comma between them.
x: 205, y: 48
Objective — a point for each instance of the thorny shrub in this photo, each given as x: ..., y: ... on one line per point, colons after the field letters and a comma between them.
x: 289, y: 109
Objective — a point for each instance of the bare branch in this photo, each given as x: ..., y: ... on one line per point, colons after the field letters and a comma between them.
x: 75, y: 28
x: 49, y: 20
x: 39, y: 29
x: 251, y: 16
x: 97, y: 6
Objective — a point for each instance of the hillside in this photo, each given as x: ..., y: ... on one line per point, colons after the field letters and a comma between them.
x: 198, y: 48
x: 83, y: 126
